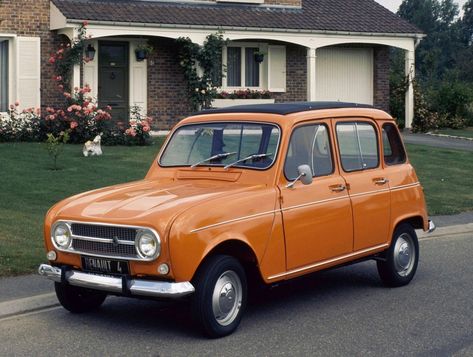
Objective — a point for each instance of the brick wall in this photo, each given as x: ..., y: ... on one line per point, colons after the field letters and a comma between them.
x: 167, y: 89
x: 31, y: 18
x: 296, y: 75
x: 381, y: 77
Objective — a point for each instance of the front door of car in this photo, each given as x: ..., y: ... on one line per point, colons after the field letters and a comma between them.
x: 317, y: 217
x: 360, y: 165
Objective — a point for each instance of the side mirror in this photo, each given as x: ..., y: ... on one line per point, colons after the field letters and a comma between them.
x: 305, y: 175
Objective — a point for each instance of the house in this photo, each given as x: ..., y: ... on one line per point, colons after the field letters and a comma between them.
x: 313, y: 50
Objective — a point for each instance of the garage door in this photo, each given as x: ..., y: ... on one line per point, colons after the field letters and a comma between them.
x: 345, y: 74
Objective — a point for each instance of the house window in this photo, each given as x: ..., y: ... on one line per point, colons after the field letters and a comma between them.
x: 3, y: 75
x: 242, y: 68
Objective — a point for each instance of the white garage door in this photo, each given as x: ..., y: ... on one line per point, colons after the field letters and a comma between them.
x: 345, y: 74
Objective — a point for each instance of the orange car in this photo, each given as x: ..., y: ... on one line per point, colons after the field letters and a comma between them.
x: 236, y: 195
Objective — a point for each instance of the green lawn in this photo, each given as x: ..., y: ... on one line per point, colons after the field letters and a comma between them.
x: 29, y: 188
x: 446, y: 176
x: 466, y: 133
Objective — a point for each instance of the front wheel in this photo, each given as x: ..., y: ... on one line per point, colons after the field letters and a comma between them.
x: 79, y: 300
x: 402, y: 257
x: 220, y: 296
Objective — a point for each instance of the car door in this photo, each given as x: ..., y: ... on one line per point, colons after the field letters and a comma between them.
x: 317, y: 217
x: 360, y: 165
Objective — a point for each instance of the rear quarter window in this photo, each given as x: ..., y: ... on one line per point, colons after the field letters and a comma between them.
x: 394, y: 153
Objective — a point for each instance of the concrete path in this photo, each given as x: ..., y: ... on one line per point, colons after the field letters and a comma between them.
x: 436, y: 141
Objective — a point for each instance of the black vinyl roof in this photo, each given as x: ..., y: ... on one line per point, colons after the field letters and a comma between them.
x: 283, y: 108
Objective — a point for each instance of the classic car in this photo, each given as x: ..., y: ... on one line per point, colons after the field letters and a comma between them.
x: 242, y: 195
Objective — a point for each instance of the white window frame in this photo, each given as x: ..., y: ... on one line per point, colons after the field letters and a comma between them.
x: 243, y: 46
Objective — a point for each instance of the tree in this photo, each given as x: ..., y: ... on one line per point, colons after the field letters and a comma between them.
x: 467, y: 23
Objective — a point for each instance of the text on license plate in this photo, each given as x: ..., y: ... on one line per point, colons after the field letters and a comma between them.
x: 103, y: 265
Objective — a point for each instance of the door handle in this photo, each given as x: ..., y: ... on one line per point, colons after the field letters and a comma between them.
x: 338, y: 188
x: 380, y: 181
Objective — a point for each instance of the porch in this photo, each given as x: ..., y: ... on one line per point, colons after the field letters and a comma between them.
x: 297, y: 66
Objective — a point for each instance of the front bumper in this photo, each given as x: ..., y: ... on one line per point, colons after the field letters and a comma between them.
x: 117, y: 285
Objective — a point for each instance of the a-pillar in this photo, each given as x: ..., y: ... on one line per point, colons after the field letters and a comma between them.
x: 410, y: 75
x: 311, y: 68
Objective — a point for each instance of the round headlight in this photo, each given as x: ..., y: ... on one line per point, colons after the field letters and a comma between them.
x: 147, y: 244
x: 62, y: 236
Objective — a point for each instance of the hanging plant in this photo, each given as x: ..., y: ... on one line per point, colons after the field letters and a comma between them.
x: 202, y: 88
x: 259, y: 57
x: 143, y: 51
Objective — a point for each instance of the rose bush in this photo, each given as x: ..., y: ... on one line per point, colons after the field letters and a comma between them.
x: 18, y: 125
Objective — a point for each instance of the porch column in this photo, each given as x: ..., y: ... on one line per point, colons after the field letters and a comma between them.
x: 311, y: 67
x: 410, y: 75
x: 75, y: 76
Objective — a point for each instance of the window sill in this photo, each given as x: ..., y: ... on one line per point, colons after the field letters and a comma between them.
x: 224, y: 103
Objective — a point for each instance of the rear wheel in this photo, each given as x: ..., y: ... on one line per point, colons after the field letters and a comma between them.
x: 402, y: 257
x: 79, y: 300
x: 220, y: 296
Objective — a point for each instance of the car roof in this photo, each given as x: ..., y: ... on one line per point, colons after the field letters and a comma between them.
x: 284, y: 108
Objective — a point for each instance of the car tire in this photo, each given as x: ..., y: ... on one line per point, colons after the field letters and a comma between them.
x: 78, y: 300
x: 401, y: 259
x: 220, y: 295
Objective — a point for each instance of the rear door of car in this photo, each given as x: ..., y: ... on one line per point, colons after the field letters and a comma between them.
x: 358, y: 146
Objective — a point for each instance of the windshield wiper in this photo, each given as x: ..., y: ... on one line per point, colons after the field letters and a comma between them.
x: 251, y: 157
x: 215, y: 157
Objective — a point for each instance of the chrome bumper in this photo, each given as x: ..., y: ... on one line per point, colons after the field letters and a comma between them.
x: 160, y: 289
x: 431, y: 226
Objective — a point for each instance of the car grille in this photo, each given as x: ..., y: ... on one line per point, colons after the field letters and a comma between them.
x: 107, y: 232
x: 105, y: 249
x: 104, y: 240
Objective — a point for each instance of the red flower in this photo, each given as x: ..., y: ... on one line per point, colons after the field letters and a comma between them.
x: 52, y: 60
x: 74, y: 124
x: 85, y: 23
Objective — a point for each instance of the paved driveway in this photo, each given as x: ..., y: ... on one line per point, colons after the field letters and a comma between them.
x: 436, y: 141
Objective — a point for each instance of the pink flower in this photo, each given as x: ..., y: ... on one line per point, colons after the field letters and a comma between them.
x: 51, y: 60
x: 74, y: 124
x: 108, y: 107
x: 12, y: 107
x: 17, y: 103
x: 69, y: 109
x: 146, y: 129
x: 85, y: 23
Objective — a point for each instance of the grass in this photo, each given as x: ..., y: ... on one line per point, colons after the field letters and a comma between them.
x: 446, y: 176
x: 29, y: 187
x: 466, y: 132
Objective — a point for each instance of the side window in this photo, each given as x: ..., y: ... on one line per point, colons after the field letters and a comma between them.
x: 309, y: 145
x: 358, y: 146
x: 394, y: 153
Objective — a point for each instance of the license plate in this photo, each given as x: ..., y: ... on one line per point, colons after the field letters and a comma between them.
x: 103, y: 265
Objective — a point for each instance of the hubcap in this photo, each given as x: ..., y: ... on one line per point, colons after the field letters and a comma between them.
x: 227, y: 298
x: 404, y: 254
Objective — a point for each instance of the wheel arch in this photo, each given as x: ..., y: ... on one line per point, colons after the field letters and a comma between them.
x: 239, y: 250
x: 417, y: 222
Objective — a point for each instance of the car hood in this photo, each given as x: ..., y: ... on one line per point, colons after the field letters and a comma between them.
x: 145, y: 202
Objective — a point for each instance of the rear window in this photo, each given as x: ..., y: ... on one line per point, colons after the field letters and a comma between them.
x: 358, y: 146
x: 394, y: 153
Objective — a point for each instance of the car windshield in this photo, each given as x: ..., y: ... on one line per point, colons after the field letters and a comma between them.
x: 223, y: 144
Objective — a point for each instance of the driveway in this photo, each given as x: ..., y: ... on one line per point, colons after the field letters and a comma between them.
x: 436, y: 141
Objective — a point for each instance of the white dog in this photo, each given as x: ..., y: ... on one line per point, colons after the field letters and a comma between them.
x: 92, y: 148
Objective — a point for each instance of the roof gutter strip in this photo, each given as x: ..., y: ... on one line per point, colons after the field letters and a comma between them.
x: 259, y: 29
